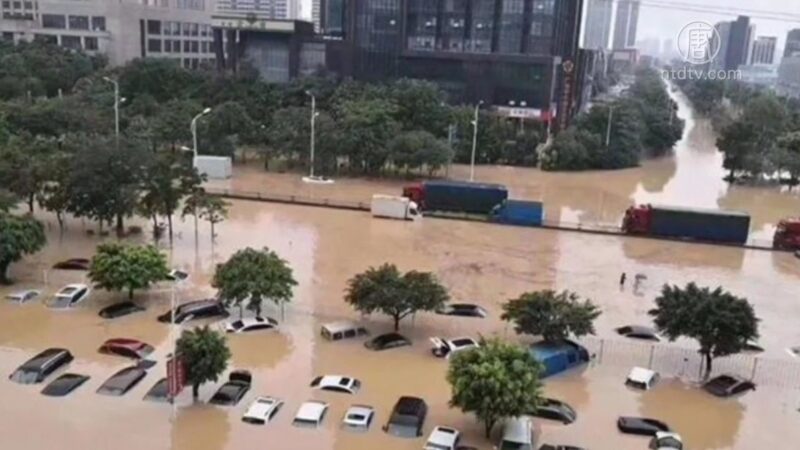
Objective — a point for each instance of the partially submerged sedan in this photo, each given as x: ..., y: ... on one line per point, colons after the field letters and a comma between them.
x: 232, y: 392
x: 119, y: 310
x: 337, y: 383
x: 127, y: 348
x: 69, y: 296
x: 641, y: 426
x: 249, y: 324
x: 36, y: 369
x: 728, y: 385
x: 64, y: 384
x: 122, y: 382
x: 23, y: 296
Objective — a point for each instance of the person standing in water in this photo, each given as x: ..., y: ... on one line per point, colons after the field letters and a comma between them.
x: 622, y: 279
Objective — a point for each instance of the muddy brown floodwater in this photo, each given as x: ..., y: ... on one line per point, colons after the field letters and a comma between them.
x: 481, y: 263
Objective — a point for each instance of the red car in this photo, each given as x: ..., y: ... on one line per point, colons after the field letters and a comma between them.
x: 128, y: 348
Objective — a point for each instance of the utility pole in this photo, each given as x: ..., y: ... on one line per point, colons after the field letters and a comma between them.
x: 313, y: 122
x: 116, y: 107
x: 608, y: 128
x: 194, y: 129
x: 474, y: 142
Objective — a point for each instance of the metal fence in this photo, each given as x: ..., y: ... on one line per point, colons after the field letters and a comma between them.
x: 686, y: 363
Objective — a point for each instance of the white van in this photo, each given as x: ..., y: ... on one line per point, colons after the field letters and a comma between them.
x: 394, y: 207
x: 336, y: 331
x: 517, y: 434
x: 641, y: 378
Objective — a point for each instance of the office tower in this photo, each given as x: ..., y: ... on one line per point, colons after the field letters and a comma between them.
x: 626, y: 24
x: 739, y: 43
x: 792, y: 47
x: 598, y: 24
x: 763, y: 50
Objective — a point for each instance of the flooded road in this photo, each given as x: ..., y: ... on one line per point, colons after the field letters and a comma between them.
x: 479, y: 263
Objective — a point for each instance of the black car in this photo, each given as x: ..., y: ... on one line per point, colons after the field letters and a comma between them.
x: 728, y: 385
x: 555, y: 410
x: 73, y: 264
x: 198, y: 309
x: 119, y: 310
x: 122, y: 382
x: 463, y: 310
x: 407, y: 417
x: 638, y: 332
x: 641, y: 425
x: 64, y: 384
x: 36, y: 369
x: 159, y: 392
x: 230, y: 393
x: 559, y: 447
x: 387, y: 341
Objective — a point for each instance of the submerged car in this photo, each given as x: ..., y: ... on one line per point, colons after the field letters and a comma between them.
x: 23, y: 296
x: 251, y: 324
x: 73, y: 264
x: 177, y: 275
x: 387, y: 341
x: 262, y: 410
x: 555, y: 410
x: 198, y: 309
x: 666, y: 441
x: 638, y: 332
x: 641, y: 378
x: 70, y: 295
x: 232, y: 392
x: 310, y: 414
x: 38, y: 368
x: 159, y: 392
x: 127, y: 348
x: 463, y: 310
x: 407, y: 417
x: 641, y: 425
x: 336, y: 383
x: 119, y: 310
x: 728, y: 385
x: 358, y: 418
x: 122, y: 382
x: 64, y: 384
x: 444, y: 348
x: 443, y: 438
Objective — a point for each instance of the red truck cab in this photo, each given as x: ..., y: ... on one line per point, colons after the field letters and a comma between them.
x: 416, y: 193
x: 787, y: 235
x: 637, y: 220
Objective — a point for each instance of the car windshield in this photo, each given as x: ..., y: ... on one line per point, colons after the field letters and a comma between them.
x: 25, y: 376
x: 508, y: 445
x: 61, y: 301
x: 462, y: 342
x: 237, y: 325
x: 356, y: 417
x: 159, y: 391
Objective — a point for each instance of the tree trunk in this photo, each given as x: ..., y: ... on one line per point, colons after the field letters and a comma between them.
x: 195, y: 391
x: 488, y: 425
x: 60, y: 219
x: 709, y: 361
x: 4, y: 272
x: 120, y: 225
x: 130, y: 294
x: 212, y: 231
x: 195, y: 227
x: 396, y: 323
x: 169, y: 222
x: 30, y: 203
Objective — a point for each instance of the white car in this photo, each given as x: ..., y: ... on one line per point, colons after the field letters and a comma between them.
x: 310, y: 414
x: 641, y: 378
x: 70, y: 295
x: 336, y: 383
x: 317, y: 179
x: 443, y: 438
x: 251, y: 324
x: 23, y: 296
x: 444, y: 348
x: 666, y: 441
x: 177, y: 275
x: 358, y: 417
x: 262, y: 410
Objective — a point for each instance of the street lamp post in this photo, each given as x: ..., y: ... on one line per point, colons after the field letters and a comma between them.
x: 194, y: 129
x: 608, y: 127
x: 116, y: 107
x: 474, y: 142
x: 313, y: 123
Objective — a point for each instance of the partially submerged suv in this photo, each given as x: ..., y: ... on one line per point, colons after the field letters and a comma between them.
x: 36, y: 369
x: 407, y: 418
x: 198, y: 309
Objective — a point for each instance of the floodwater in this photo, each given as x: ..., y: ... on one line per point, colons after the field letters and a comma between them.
x: 480, y: 263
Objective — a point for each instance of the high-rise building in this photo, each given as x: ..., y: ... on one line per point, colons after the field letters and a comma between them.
x: 273, y: 9
x: 333, y: 17
x: 763, y: 50
x: 316, y: 14
x: 598, y: 24
x: 792, y: 47
x: 718, y: 45
x: 739, y: 43
x: 121, y: 29
x: 626, y: 24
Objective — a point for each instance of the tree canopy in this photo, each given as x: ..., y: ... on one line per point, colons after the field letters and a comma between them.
x: 494, y: 381
x: 120, y: 267
x: 19, y: 236
x: 253, y: 276
x: 205, y: 355
x: 721, y: 323
x: 551, y: 315
x: 384, y: 289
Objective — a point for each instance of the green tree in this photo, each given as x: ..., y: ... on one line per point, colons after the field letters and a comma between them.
x: 54, y: 195
x: 386, y: 290
x: 18, y: 236
x: 165, y: 182
x: 552, y: 315
x: 118, y: 267
x: 8, y: 201
x: 420, y: 106
x: 193, y: 205
x: 366, y: 127
x: 253, y: 276
x: 787, y: 155
x: 214, y: 210
x: 416, y: 149
x: 22, y: 167
x: 494, y: 381
x: 205, y: 355
x: 172, y: 123
x: 720, y: 322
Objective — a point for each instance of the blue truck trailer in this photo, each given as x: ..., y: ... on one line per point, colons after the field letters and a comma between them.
x: 519, y: 212
x: 688, y: 223
x: 457, y: 196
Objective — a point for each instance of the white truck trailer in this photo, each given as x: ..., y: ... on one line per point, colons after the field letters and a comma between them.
x: 394, y: 207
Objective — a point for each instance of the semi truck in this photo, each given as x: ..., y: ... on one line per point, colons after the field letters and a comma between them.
x: 394, y: 207
x: 787, y: 235
x: 457, y: 196
x: 709, y: 225
x: 519, y: 212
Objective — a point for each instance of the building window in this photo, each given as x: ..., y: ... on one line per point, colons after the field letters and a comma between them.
x: 71, y: 42
x: 28, y: 5
x: 154, y: 45
x: 153, y: 27
x: 17, y: 5
x: 90, y: 43
x: 78, y: 23
x: 46, y: 38
x: 167, y: 46
x: 8, y: 36
x: 6, y: 4
x: 205, y: 30
x: 54, y: 21
x: 187, y: 46
x: 187, y: 29
x: 204, y: 47
x: 99, y: 23
x: 176, y: 46
x: 195, y: 47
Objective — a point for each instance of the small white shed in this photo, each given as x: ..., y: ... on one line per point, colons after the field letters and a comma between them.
x: 214, y: 167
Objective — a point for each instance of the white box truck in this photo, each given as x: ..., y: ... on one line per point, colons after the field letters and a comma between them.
x: 214, y: 167
x: 394, y: 207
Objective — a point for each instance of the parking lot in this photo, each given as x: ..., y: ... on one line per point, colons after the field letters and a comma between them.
x: 479, y: 263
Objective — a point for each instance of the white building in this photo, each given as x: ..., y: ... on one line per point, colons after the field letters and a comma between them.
x: 271, y: 9
x: 763, y: 50
x: 121, y: 29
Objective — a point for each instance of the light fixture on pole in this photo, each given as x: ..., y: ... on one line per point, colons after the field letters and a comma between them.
x: 194, y: 129
x: 608, y: 127
x: 116, y: 107
x: 474, y: 142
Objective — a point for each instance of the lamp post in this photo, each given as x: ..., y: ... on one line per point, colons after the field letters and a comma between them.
x: 116, y: 107
x: 474, y: 142
x: 608, y: 127
x: 194, y: 129
x: 313, y: 123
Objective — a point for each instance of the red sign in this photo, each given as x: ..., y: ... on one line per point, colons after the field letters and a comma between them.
x: 176, y: 377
